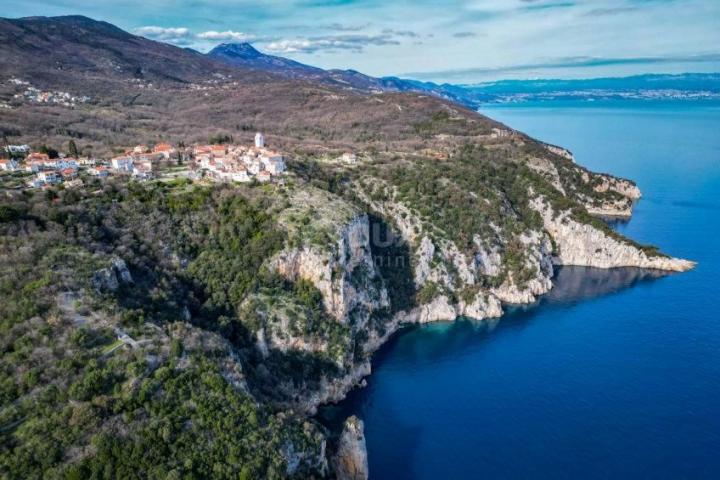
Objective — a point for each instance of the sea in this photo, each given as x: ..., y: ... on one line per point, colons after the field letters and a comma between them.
x: 614, y: 374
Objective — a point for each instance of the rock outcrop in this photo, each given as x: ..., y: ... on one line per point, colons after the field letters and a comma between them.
x: 344, y: 276
x: 582, y: 244
x: 351, y: 462
x: 108, y: 279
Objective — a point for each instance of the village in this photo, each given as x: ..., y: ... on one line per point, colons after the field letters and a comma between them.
x: 214, y: 162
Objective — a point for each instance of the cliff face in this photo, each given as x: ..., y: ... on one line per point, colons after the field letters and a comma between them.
x: 345, y: 275
x: 351, y: 461
x: 329, y: 247
x: 582, y: 244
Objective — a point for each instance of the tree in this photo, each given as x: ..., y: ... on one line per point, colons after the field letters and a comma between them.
x: 51, y: 152
x: 72, y: 149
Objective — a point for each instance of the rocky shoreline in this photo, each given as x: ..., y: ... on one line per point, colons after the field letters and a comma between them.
x: 563, y: 241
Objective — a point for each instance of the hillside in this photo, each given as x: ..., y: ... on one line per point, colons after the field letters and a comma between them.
x: 178, y: 328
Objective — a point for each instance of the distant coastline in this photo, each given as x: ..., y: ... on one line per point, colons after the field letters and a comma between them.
x: 695, y: 87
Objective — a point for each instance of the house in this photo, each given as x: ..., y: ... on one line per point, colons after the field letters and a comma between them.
x: 219, y: 151
x: 9, y: 165
x: 162, y: 148
x: 264, y: 176
x: 74, y: 183
x: 122, y: 164
x: 142, y: 170
x: 99, y: 171
x: 201, y: 150
x: 240, y: 175
x: 48, y: 177
x: 349, y: 157
x: 17, y: 149
x: 68, y: 162
x: 500, y: 133
x: 146, y: 157
x: 275, y: 167
x: 37, y: 157
x: 68, y: 173
x: 87, y: 162
x: 140, y: 149
x: 34, y: 165
x: 54, y: 163
x: 165, y: 150
x: 254, y: 167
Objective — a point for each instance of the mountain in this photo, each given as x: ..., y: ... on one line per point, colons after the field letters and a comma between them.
x: 245, y: 55
x: 48, y: 49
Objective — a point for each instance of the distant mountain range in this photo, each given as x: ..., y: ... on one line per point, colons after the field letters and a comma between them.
x: 645, y: 87
x: 99, y: 50
x: 648, y: 87
x: 246, y: 56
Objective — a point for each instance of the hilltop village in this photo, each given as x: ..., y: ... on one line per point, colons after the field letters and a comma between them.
x: 214, y: 162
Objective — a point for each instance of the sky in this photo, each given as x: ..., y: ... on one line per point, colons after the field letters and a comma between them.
x: 455, y: 41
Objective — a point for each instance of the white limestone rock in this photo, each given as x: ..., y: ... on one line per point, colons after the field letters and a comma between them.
x: 584, y: 245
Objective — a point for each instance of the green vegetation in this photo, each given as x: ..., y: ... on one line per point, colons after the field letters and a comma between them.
x: 77, y: 404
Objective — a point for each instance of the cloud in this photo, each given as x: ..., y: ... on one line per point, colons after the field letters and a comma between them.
x: 466, y: 34
x: 184, y: 37
x: 178, y: 35
x: 566, y: 62
x: 341, y: 27
x: 330, y: 42
x: 226, y: 36
x: 400, y: 33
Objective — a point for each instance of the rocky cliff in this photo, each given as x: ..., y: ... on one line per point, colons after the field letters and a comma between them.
x: 350, y: 461
x: 582, y: 244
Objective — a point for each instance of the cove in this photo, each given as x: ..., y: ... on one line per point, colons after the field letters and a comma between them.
x: 614, y: 373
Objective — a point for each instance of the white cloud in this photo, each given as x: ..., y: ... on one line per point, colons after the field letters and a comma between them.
x: 291, y: 46
x: 331, y: 42
x: 179, y: 35
x: 226, y: 36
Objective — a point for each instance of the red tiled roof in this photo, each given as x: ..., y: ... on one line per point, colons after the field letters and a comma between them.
x: 162, y: 147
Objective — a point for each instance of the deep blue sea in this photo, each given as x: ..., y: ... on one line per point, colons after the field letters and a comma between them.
x: 615, y: 374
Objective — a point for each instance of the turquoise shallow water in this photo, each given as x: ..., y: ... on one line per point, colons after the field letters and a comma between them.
x: 615, y: 374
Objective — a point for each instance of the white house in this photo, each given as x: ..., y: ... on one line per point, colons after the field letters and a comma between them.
x: 349, y: 157
x: 33, y: 166
x: 259, y: 140
x: 254, y: 167
x: 9, y: 165
x: 124, y: 164
x: 17, y: 149
x: 48, y: 177
x: 240, y: 175
x: 273, y: 162
x: 142, y: 169
x: 99, y: 171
